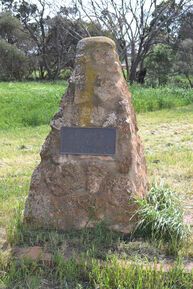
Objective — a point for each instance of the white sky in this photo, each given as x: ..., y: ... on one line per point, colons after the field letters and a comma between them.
x: 58, y: 3
x: 54, y: 5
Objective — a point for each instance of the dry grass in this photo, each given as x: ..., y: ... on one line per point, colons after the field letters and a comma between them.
x: 168, y: 139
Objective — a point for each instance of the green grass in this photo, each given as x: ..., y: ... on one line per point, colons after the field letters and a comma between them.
x: 29, y: 103
x: 152, y: 99
x: 161, y: 218
x: 34, y: 103
x: 91, y: 273
x: 87, y: 259
x: 115, y: 274
x: 90, y: 258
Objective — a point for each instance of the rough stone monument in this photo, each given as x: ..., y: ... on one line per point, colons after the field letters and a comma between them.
x: 92, y: 162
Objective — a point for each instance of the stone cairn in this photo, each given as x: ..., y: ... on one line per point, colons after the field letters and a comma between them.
x: 73, y: 191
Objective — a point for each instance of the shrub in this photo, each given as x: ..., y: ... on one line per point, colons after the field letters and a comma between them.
x: 14, y: 65
x: 159, y: 64
x: 65, y: 73
x: 161, y: 218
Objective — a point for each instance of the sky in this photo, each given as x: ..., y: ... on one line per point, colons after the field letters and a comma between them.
x: 58, y: 3
x: 55, y: 4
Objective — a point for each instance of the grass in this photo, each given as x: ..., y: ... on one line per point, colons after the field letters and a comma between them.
x: 29, y: 103
x: 152, y: 99
x: 94, y: 262
x: 161, y: 218
x: 87, y: 259
x: 168, y: 148
x: 114, y: 275
x: 34, y: 103
x: 91, y: 273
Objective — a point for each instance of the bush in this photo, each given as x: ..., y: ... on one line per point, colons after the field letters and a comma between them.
x: 161, y: 218
x: 180, y: 81
x: 65, y: 74
x: 159, y: 65
x: 14, y: 65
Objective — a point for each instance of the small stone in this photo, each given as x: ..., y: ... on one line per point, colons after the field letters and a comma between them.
x: 189, y: 267
x: 156, y: 161
x: 35, y: 253
x: 169, y: 144
x: 23, y: 147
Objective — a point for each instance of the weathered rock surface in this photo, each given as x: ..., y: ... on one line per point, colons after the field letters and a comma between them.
x: 74, y: 191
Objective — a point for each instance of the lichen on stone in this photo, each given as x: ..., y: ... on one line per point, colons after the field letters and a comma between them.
x: 86, y: 94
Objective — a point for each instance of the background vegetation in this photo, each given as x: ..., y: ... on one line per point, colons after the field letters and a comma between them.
x: 154, y: 41
x: 34, y: 103
x: 154, y: 38
x: 97, y: 258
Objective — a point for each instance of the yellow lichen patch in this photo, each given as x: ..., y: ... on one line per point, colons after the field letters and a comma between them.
x: 86, y: 94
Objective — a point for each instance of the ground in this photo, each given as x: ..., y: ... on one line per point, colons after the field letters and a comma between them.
x: 167, y: 136
x: 168, y: 139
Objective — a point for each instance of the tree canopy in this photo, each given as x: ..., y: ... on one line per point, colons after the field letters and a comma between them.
x: 46, y: 36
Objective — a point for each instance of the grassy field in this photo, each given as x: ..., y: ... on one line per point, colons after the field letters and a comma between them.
x: 167, y: 134
x: 34, y: 103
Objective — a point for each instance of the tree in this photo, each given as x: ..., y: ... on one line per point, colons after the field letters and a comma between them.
x: 33, y: 18
x: 185, y: 59
x: 54, y: 38
x: 134, y: 25
x: 60, y: 44
x: 186, y: 26
x: 14, y: 63
x: 184, y: 46
x: 159, y: 64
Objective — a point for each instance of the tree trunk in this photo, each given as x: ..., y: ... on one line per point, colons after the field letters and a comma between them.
x: 124, y: 74
x: 133, y: 72
x: 127, y: 67
x: 41, y: 71
x: 189, y: 80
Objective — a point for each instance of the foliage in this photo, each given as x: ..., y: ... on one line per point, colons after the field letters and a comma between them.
x: 180, y: 81
x: 135, y: 26
x: 185, y: 59
x: 13, y: 62
x: 159, y: 64
x: 161, y: 218
x: 10, y: 28
x: 49, y: 42
x: 65, y: 74
x: 48, y: 35
x: 186, y: 26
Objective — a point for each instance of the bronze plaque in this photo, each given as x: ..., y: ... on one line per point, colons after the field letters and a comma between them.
x: 88, y: 141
